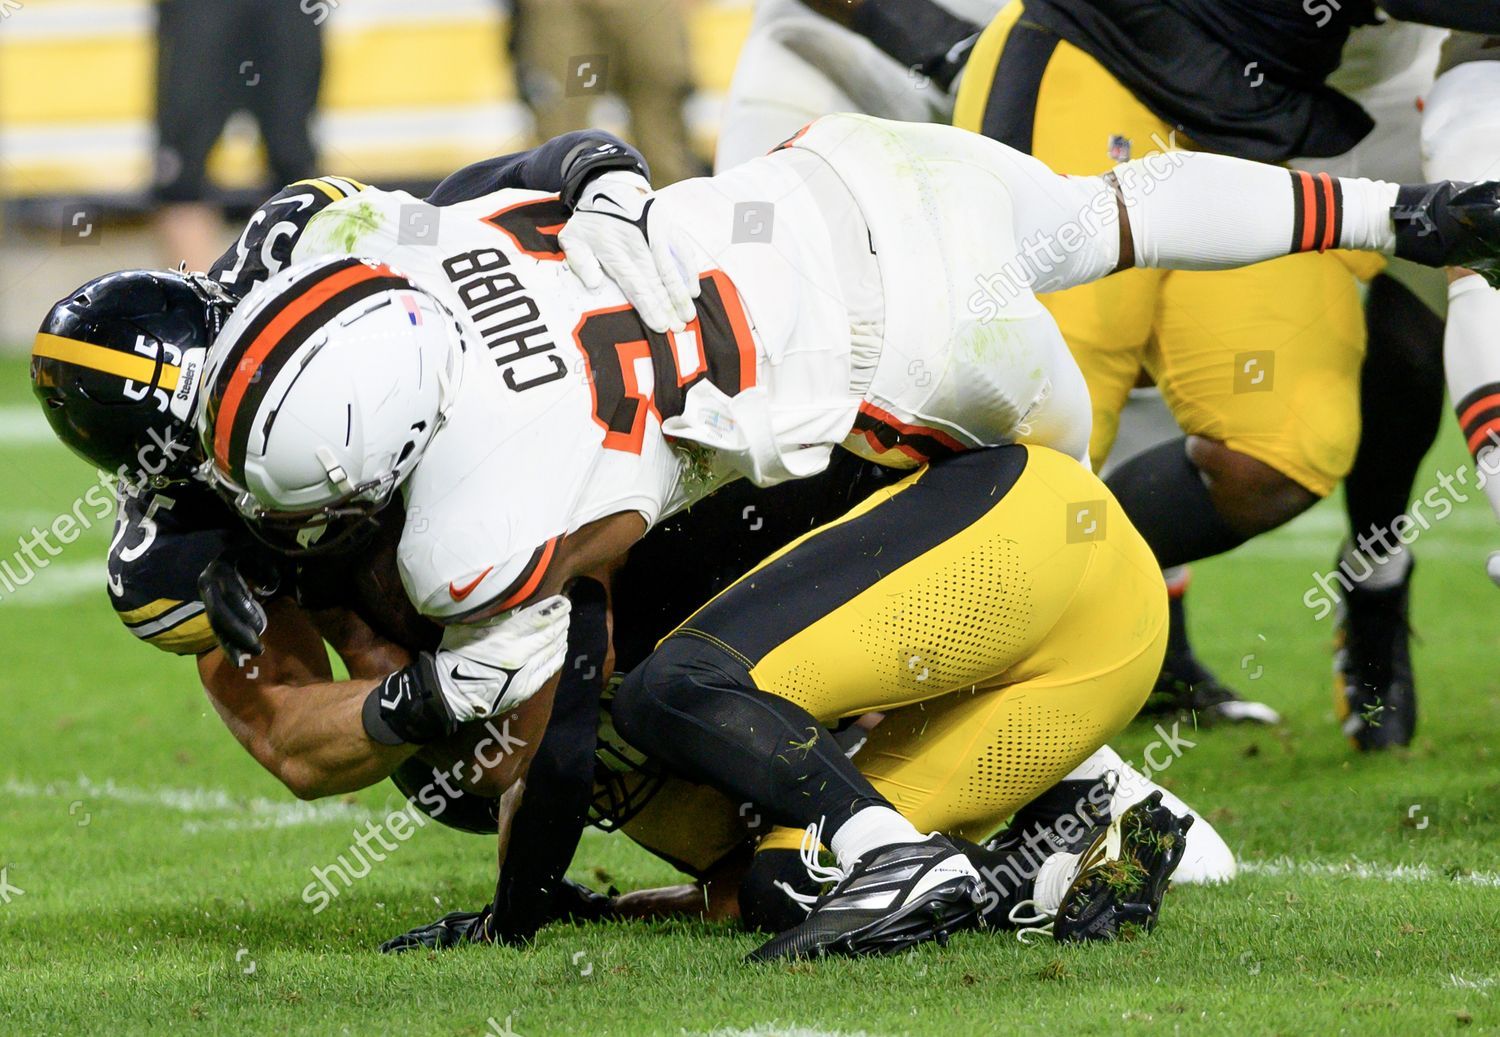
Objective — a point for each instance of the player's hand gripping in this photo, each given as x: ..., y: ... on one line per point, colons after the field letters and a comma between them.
x: 618, y: 232
x: 232, y: 587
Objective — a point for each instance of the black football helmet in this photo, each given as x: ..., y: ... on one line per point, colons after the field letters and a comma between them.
x: 116, y: 367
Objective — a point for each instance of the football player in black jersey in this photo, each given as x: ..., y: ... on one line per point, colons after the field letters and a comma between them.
x: 115, y: 369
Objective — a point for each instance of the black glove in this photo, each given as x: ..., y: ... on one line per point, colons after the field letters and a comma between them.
x: 232, y: 587
x: 1450, y: 223
x: 458, y: 927
x: 575, y: 902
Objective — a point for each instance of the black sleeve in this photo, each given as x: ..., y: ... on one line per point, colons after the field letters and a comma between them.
x: 919, y: 34
x: 560, y: 783
x: 561, y: 166
x: 265, y: 245
x: 1464, y: 15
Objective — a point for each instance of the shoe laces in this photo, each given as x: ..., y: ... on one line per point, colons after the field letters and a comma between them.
x: 812, y: 840
x: 1051, y: 884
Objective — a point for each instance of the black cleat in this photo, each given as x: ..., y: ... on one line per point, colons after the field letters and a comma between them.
x: 1185, y: 687
x: 1121, y: 877
x: 1450, y: 223
x: 902, y: 896
x: 1374, y: 694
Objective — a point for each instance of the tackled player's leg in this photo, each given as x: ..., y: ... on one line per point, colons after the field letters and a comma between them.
x: 964, y: 576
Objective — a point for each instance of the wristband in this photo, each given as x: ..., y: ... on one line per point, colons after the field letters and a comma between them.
x: 587, y: 161
x: 407, y: 708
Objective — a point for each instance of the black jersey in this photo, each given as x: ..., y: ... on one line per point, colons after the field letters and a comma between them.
x: 265, y: 245
x: 1238, y: 77
x: 162, y: 541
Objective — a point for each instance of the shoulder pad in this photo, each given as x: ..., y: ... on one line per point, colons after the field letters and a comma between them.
x: 266, y: 244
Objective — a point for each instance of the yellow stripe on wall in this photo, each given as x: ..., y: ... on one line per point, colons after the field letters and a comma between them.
x: 84, y: 103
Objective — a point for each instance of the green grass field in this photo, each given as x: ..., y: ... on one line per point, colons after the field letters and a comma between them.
x: 153, y: 874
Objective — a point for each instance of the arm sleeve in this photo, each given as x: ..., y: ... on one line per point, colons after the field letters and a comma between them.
x: 1464, y: 15
x: 161, y: 544
x: 561, y: 166
x: 560, y: 782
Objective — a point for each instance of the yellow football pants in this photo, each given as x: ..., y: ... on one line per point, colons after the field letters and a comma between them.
x: 1265, y: 359
x: 1019, y: 624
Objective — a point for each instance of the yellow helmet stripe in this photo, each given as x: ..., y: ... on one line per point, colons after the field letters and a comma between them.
x: 96, y: 358
x: 333, y: 187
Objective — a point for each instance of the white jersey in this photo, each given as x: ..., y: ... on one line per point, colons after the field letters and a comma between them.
x: 846, y: 306
x: 558, y: 418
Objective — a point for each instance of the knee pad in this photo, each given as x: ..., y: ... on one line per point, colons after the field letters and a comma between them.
x: 672, y: 677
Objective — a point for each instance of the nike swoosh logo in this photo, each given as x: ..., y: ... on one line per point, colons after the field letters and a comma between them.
x: 611, y: 201
x: 458, y: 593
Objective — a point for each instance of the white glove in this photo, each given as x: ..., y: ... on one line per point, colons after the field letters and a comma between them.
x: 489, y: 669
x: 616, y: 231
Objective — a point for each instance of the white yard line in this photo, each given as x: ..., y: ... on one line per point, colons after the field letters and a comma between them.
x: 1355, y: 868
x: 222, y: 810
x: 58, y: 582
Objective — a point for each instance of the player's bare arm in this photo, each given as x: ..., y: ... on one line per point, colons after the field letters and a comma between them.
x: 285, y: 708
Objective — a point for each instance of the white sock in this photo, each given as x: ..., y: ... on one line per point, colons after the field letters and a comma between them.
x: 1052, y: 880
x: 1471, y: 358
x: 869, y: 831
x: 1211, y: 212
x: 1376, y: 569
x: 1367, y: 214
x: 1103, y: 760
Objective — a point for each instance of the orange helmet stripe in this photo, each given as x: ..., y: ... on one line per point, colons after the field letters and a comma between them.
x: 265, y: 343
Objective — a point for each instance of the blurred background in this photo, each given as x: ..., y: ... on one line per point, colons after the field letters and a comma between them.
x: 136, y: 133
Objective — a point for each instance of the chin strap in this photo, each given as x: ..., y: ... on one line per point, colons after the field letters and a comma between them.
x: 336, y: 473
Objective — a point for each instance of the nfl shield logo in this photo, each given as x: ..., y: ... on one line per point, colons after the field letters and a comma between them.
x: 1119, y: 148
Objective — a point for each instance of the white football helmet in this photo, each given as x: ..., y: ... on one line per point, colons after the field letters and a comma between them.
x: 320, y: 395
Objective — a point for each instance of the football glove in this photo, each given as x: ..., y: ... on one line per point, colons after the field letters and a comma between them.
x: 1450, y: 223
x: 616, y: 231
x: 458, y: 927
x: 232, y: 587
x: 486, y: 670
x: 568, y: 900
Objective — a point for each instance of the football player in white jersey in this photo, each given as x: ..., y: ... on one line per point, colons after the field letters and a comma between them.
x: 868, y: 288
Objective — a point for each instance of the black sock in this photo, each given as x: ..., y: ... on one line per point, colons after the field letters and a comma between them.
x: 1164, y: 495
x: 1401, y: 404
x: 1177, y: 637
